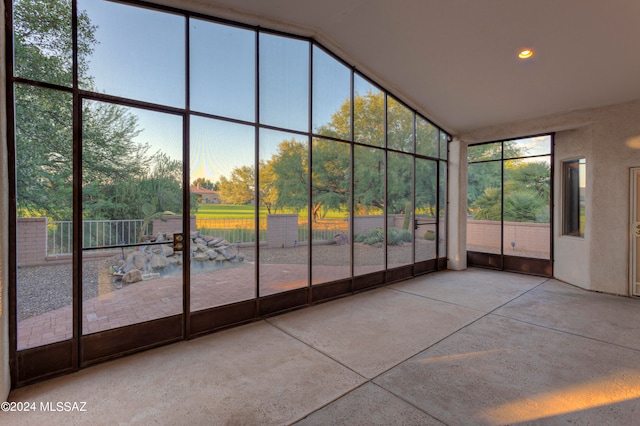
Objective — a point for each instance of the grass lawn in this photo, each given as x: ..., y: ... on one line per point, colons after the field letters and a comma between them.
x: 229, y: 211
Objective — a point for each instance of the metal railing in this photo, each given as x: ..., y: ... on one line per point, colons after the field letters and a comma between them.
x: 322, y: 229
x: 233, y: 230
x: 100, y: 233
x: 95, y: 233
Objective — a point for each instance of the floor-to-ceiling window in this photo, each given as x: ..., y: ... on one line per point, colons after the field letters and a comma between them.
x: 509, y: 205
x: 175, y: 174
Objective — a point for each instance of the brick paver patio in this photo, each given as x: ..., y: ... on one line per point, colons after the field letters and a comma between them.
x: 161, y: 297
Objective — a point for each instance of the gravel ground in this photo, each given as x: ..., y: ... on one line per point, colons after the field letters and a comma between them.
x: 45, y: 288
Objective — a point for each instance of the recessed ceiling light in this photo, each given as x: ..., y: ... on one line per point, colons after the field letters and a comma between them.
x: 525, y: 54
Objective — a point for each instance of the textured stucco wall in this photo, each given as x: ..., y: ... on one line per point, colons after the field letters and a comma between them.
x: 572, y: 253
x: 457, y: 207
x: 615, y: 149
x: 609, y: 139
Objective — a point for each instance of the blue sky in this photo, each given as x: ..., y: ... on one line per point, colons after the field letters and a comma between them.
x: 140, y: 54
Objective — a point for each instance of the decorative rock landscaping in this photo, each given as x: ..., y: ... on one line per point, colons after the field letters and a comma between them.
x: 149, y: 261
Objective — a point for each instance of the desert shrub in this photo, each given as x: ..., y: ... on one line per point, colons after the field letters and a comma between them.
x: 374, y: 236
x: 396, y: 237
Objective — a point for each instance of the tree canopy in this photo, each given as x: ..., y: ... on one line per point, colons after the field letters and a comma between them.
x: 119, y: 174
x: 526, y: 191
x: 284, y: 178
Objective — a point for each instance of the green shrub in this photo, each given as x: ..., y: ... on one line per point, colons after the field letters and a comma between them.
x: 359, y: 238
x: 375, y: 235
x: 395, y: 237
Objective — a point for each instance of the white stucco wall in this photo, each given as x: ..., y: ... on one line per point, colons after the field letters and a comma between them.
x: 572, y: 254
x: 457, y: 207
x: 605, y: 137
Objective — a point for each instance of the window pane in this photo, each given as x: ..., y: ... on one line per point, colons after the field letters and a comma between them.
x: 284, y: 193
x: 284, y: 82
x: 485, y: 151
x: 44, y: 185
x: 527, y: 196
x: 574, y: 186
x: 223, y: 70
x: 131, y: 194
x: 138, y: 54
x: 425, y: 211
x: 331, y: 96
x: 484, y: 201
x: 426, y: 138
x: 399, y: 209
x: 368, y: 225
x: 399, y: 126
x: 368, y: 112
x: 223, y: 203
x: 442, y: 236
x: 331, y: 190
x: 43, y: 47
x: 443, y: 145
x: 538, y: 145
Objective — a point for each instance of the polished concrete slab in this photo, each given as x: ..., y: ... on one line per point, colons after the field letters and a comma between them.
x: 373, y: 331
x: 474, y: 288
x: 502, y: 371
x: 564, y: 307
x: 372, y: 406
x: 496, y: 348
x: 250, y: 375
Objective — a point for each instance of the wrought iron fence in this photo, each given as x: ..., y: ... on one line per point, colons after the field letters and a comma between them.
x: 322, y: 229
x: 100, y: 233
x: 233, y: 230
x: 95, y: 233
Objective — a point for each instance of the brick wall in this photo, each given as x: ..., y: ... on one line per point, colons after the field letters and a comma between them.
x: 531, y: 239
x: 362, y: 224
x: 282, y: 230
x: 31, y: 241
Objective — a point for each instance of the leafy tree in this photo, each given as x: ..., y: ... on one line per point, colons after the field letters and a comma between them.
x: 526, y: 192
x: 330, y: 176
x: 43, y: 41
x: 534, y: 176
x: 43, y: 51
x: 268, y: 189
x: 290, y: 165
x: 369, y: 175
x: 523, y: 206
x: 488, y: 205
x: 487, y: 174
x: 426, y: 186
x: 118, y: 174
x: 239, y: 188
x: 157, y: 184
x: 399, y: 186
x: 482, y: 176
x: 369, y: 113
x: 205, y: 183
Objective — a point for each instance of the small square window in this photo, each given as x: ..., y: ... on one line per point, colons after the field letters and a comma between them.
x: 574, y: 193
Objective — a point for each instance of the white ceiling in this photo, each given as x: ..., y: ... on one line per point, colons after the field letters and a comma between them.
x: 455, y: 60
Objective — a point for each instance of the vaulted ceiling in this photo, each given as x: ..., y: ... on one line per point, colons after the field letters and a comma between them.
x: 456, y: 60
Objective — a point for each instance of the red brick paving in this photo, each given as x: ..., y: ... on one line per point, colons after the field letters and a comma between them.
x: 161, y: 297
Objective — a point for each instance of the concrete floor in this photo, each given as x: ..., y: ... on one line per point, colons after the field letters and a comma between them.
x: 456, y: 348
